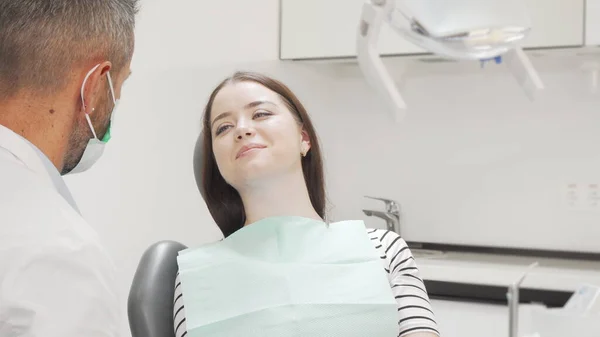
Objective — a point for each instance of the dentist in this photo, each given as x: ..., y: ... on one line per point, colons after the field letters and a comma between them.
x: 62, y: 66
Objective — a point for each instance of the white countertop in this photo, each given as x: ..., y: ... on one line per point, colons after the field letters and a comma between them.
x: 502, y: 270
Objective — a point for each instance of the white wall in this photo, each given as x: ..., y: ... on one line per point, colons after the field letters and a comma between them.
x: 186, y: 33
x: 473, y: 163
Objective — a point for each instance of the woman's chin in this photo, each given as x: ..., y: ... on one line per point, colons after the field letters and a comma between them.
x: 253, y: 171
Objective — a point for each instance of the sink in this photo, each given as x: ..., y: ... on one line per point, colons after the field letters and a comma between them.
x: 427, y: 254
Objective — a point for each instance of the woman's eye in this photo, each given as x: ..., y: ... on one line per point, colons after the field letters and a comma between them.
x: 259, y: 114
x: 221, y: 129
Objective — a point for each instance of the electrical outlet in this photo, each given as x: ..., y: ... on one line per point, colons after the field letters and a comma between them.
x: 582, y: 197
x: 593, y: 197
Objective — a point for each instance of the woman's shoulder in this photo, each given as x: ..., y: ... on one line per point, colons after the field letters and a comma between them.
x: 387, y: 242
x: 386, y: 237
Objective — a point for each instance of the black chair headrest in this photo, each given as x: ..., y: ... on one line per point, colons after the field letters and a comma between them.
x: 198, y: 158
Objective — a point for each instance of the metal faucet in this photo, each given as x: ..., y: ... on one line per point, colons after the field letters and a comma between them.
x: 391, y: 214
x: 512, y: 297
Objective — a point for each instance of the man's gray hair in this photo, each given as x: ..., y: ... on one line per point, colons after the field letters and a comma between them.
x: 42, y: 40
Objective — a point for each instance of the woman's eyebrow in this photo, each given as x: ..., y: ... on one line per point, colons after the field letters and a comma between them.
x: 257, y: 103
x: 221, y: 116
x: 252, y: 104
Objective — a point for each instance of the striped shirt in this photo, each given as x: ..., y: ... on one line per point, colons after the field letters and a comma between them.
x: 414, y: 309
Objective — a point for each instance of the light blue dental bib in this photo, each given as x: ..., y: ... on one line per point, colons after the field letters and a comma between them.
x: 288, y: 276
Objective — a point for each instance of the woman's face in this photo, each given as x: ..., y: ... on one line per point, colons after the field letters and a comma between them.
x: 255, y: 136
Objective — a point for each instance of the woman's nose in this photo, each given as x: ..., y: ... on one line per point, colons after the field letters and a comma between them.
x: 244, y: 131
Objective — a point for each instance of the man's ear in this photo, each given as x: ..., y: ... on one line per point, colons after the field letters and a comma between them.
x: 93, y: 86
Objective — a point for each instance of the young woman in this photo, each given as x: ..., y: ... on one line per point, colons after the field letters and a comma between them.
x: 260, y: 144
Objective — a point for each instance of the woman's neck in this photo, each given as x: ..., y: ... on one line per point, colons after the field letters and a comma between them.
x: 285, y: 195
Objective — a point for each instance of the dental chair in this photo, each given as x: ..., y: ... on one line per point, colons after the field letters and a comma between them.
x: 150, y: 302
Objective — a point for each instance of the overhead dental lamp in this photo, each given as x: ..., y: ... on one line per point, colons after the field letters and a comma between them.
x: 456, y: 29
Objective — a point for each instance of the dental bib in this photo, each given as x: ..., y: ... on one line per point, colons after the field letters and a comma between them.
x: 288, y: 276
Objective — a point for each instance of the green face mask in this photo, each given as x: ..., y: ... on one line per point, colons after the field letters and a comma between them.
x: 288, y: 276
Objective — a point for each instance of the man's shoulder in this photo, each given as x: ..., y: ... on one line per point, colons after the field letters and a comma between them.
x: 22, y: 187
x: 35, y: 211
x: 34, y: 217
x: 39, y: 227
x: 47, y: 248
x: 26, y: 197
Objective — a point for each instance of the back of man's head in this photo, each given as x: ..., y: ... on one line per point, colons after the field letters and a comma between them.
x: 62, y: 66
x: 41, y: 40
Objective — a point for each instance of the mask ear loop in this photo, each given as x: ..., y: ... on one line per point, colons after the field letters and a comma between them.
x: 87, y: 116
x: 107, y: 135
x: 112, y: 89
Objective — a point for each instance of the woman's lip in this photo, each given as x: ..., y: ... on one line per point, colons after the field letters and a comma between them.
x: 248, y: 151
x: 247, y: 148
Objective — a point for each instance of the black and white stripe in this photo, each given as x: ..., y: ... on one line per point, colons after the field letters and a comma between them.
x: 414, y: 309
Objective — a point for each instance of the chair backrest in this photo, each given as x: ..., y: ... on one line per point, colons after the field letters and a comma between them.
x: 150, y: 302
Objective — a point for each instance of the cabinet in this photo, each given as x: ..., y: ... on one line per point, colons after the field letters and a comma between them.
x: 592, y: 23
x: 327, y: 28
x: 469, y: 319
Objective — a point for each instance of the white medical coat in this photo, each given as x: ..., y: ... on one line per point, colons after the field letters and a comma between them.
x: 55, y: 278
